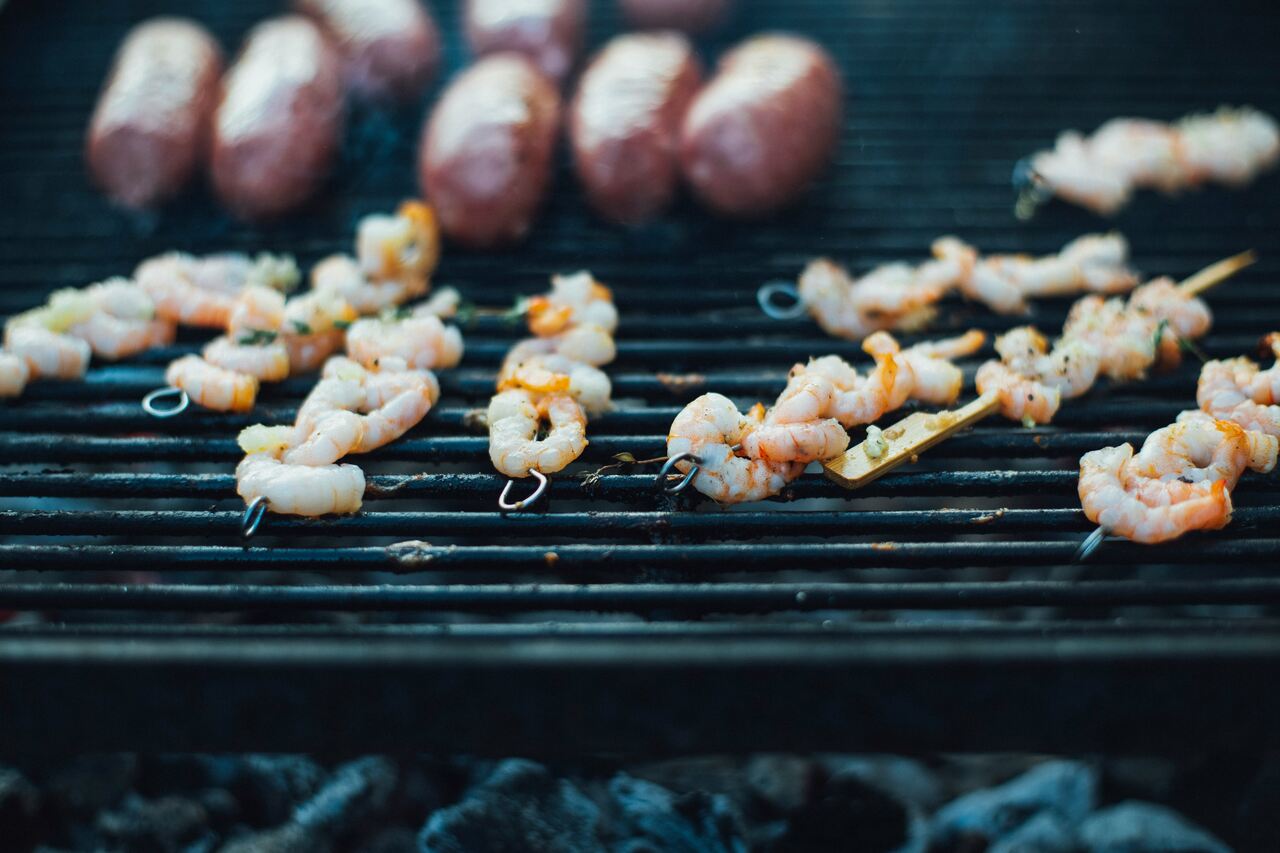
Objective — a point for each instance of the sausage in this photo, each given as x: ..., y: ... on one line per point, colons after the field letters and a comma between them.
x: 279, y: 122
x: 764, y: 127
x: 548, y: 32
x: 691, y: 16
x: 391, y: 47
x: 624, y: 123
x: 485, y: 156
x: 150, y: 128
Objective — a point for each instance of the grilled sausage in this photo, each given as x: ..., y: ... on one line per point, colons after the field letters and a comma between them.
x: 391, y: 47
x: 692, y: 16
x: 279, y: 122
x: 624, y: 123
x: 485, y: 156
x: 764, y: 127
x: 548, y: 32
x: 150, y: 128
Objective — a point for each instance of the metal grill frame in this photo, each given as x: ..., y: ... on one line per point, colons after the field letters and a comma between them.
x: 615, y: 620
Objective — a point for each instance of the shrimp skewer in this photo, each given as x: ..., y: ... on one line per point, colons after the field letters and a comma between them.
x: 826, y: 396
x: 1110, y: 337
x: 1238, y: 390
x: 1181, y: 479
x: 1095, y: 262
x: 899, y: 296
x: 705, y: 434
x: 193, y: 291
x: 1100, y: 172
x: 555, y: 379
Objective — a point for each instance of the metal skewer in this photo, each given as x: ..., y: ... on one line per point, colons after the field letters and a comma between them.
x: 149, y: 402
x: 507, y: 506
x: 1193, y: 285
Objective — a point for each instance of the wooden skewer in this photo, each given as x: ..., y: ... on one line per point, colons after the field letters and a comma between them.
x: 1215, y: 274
x: 908, y: 438
x: 904, y: 442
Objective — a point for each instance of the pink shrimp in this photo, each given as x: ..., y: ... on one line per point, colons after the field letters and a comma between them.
x: 267, y: 361
x: 48, y: 355
x: 14, y: 374
x: 213, y: 387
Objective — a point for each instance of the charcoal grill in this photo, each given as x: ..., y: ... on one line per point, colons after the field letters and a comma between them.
x: 934, y: 610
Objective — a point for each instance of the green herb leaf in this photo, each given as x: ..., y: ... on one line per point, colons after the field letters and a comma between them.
x: 1161, y: 328
x: 342, y: 324
x: 624, y: 457
x: 256, y: 338
x: 300, y: 327
x: 517, y: 311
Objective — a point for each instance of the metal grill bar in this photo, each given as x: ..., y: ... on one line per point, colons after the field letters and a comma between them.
x: 662, y: 601
x: 492, y: 525
x: 593, y: 561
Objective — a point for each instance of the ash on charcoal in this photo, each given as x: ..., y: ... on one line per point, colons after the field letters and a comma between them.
x: 520, y: 807
x: 651, y: 819
x: 1044, y: 833
x: 19, y: 809
x: 1134, y: 827
x: 908, y: 780
x: 781, y: 783
x: 1065, y: 789
x: 269, y: 787
x: 164, y: 825
x: 353, y: 796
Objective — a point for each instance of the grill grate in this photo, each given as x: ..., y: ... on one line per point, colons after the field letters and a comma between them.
x: 933, y: 610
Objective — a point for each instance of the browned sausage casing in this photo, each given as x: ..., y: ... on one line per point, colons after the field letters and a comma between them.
x: 485, y: 156
x: 624, y: 123
x: 764, y: 127
x: 692, y: 16
x: 391, y: 47
x: 150, y: 128
x: 548, y: 32
x: 278, y: 125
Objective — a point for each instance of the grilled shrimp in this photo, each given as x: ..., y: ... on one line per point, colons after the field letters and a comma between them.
x: 48, y: 355
x: 555, y: 374
x: 1188, y: 316
x: 299, y: 489
x: 332, y: 436
x: 201, y: 291
x: 514, y: 418
x: 1094, y: 262
x: 257, y: 309
x: 1230, y: 146
x: 576, y: 299
x: 14, y: 374
x: 923, y: 371
x: 1100, y: 172
x: 405, y: 246
x: 1124, y: 340
x: 1031, y: 380
x: 422, y: 342
x: 1198, y: 448
x: 1110, y: 502
x: 858, y: 399
x: 709, y: 428
x: 308, y: 352
x: 390, y: 401
x: 212, y: 387
x: 444, y: 303
x: 1235, y: 389
x: 806, y: 441
x: 1021, y: 398
x: 113, y: 338
x: 892, y: 296
x: 341, y: 276
x: 314, y: 328
x: 266, y: 362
